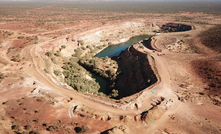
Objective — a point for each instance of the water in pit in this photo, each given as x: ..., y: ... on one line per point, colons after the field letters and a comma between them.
x: 114, y: 51
x: 117, y: 49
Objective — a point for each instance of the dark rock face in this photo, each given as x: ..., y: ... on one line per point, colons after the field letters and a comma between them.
x: 136, y: 72
x: 174, y: 27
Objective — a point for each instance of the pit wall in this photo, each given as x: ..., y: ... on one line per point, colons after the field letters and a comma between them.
x: 109, y: 35
x: 150, y: 44
x: 115, y: 34
x: 150, y: 62
x: 137, y: 72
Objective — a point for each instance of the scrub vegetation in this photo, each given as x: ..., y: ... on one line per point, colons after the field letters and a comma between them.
x: 212, y: 38
x: 76, y: 77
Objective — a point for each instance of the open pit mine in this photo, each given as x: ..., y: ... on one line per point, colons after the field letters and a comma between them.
x: 167, y: 82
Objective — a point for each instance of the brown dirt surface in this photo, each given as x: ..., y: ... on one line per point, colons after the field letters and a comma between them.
x: 185, y: 99
x: 211, y: 38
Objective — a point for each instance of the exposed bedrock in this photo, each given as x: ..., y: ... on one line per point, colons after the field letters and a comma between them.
x: 136, y: 72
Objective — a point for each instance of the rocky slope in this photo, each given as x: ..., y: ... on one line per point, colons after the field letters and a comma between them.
x: 136, y: 72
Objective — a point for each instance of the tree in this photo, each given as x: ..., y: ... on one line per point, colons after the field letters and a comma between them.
x: 49, y: 54
x: 63, y: 47
x: 46, y: 70
x: 81, y: 42
x: 57, y: 72
x: 114, y: 93
x: 27, y: 127
x: 2, y: 76
x: 106, y: 59
x: 84, y: 129
x: 58, y: 53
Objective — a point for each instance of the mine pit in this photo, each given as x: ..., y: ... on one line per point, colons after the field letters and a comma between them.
x: 175, y: 27
x: 141, y: 74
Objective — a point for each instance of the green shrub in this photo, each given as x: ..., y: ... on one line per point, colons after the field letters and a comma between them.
x: 2, y: 76
x: 114, y: 93
x: 17, y: 126
x: 75, y: 77
x: 84, y: 129
x: 25, y: 132
x: 27, y: 127
x: 15, y: 59
x: 49, y: 54
x: 88, y: 47
x: 83, y: 48
x: 50, y: 128
x: 63, y: 47
x: 77, y: 53
x: 46, y: 71
x: 57, y: 72
x: 202, y: 93
x: 21, y: 37
x: 106, y: 59
x: 55, y: 127
x: 34, y: 132
x: 58, y: 53
x: 54, y: 60
x: 182, y: 41
x: 81, y: 42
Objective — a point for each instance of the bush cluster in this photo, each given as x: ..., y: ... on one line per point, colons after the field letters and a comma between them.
x: 49, y: 54
x: 75, y: 77
x: 57, y: 72
x: 2, y: 76
x: 93, y: 64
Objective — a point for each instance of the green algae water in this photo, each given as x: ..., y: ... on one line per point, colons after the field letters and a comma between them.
x: 112, y: 51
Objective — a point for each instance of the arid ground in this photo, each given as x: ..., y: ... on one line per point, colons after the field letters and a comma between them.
x: 46, y: 52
